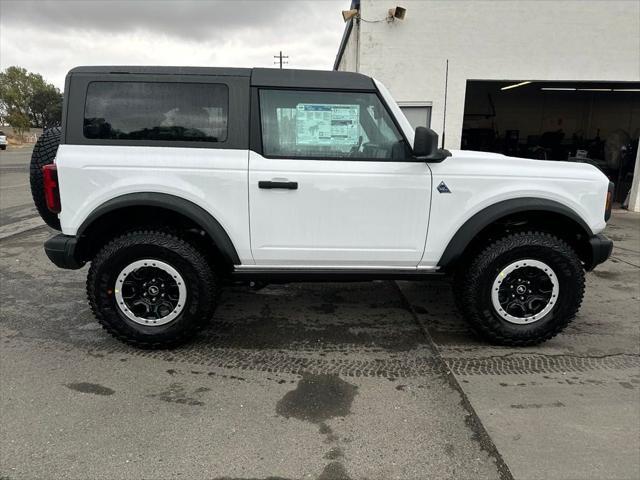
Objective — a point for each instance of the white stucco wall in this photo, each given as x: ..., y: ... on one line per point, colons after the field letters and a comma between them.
x: 493, y: 40
x: 349, y: 60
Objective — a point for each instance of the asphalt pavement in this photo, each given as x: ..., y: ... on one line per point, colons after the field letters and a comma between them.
x: 16, y: 205
x: 299, y: 381
x: 569, y: 408
x: 377, y: 380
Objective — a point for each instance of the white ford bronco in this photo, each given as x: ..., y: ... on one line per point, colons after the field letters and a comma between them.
x: 173, y: 181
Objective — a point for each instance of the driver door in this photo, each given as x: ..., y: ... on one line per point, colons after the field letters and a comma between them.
x: 334, y: 185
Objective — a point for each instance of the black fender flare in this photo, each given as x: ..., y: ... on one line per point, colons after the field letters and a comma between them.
x: 179, y: 205
x: 474, y: 225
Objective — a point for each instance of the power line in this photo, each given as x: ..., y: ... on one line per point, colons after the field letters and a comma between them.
x: 280, y: 58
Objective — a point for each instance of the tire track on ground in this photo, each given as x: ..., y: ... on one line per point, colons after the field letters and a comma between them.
x: 473, y: 420
x: 534, y: 364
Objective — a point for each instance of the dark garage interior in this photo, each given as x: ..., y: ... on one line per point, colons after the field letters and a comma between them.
x: 591, y: 122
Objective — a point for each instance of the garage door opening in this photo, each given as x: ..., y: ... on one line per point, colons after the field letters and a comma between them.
x: 591, y: 122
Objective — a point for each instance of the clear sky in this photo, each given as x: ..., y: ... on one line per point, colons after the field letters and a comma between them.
x: 51, y: 37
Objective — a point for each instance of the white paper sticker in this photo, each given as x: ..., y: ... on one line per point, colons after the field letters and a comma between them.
x: 327, y: 124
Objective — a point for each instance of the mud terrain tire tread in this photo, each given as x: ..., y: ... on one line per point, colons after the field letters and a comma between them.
x: 44, y: 152
x: 470, y: 285
x: 199, y: 274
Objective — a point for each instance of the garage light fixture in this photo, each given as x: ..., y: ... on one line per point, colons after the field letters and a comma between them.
x: 395, y: 13
x: 573, y: 89
x: 349, y: 14
x: 515, y: 85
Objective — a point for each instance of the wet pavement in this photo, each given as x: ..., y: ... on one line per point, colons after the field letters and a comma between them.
x: 322, y: 381
x: 15, y: 194
x: 569, y: 408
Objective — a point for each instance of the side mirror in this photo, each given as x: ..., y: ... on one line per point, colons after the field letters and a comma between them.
x: 425, y: 146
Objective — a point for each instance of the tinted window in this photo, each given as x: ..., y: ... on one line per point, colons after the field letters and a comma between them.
x: 311, y: 124
x: 194, y: 112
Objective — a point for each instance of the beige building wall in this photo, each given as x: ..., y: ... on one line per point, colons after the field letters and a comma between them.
x: 561, y: 40
x: 491, y: 40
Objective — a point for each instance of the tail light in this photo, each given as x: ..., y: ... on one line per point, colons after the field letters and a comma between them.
x: 609, y: 204
x: 51, y: 189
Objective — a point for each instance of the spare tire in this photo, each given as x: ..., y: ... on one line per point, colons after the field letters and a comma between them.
x: 43, y: 154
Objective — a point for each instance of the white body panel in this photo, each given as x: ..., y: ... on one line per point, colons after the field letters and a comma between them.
x: 214, y: 179
x: 343, y: 214
x: 478, y: 180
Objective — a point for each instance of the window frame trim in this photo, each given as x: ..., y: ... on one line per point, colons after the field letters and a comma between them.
x: 238, y: 107
x: 256, y: 99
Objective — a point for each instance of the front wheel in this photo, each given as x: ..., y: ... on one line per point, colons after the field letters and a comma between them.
x: 151, y: 289
x: 521, y: 290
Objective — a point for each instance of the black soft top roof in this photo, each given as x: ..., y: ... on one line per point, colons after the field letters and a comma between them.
x: 262, y: 77
x: 274, y: 77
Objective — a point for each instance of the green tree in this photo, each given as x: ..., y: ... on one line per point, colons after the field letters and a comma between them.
x: 27, y: 100
x: 46, y: 106
x: 19, y: 121
x: 15, y: 92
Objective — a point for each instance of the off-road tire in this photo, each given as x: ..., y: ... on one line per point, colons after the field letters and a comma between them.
x: 44, y: 152
x: 192, y: 264
x: 473, y: 283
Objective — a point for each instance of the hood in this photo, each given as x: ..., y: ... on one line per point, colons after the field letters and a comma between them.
x: 486, y: 163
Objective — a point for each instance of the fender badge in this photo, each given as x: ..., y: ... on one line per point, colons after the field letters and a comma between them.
x: 442, y: 188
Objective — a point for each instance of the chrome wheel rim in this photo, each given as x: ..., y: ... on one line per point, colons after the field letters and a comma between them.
x: 525, y: 291
x: 150, y: 292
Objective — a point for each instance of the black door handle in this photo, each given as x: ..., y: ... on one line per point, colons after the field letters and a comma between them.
x: 285, y: 185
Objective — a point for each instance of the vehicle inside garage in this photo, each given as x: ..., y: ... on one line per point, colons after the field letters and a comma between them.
x: 591, y: 122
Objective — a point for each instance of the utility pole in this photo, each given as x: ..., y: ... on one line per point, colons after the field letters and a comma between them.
x: 280, y: 58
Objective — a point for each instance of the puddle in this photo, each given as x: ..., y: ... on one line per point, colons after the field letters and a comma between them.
x: 334, y: 471
x: 93, y: 388
x: 318, y: 398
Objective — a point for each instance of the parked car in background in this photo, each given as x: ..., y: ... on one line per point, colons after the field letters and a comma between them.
x: 3, y: 141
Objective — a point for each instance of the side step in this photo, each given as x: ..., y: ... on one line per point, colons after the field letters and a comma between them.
x: 289, y: 275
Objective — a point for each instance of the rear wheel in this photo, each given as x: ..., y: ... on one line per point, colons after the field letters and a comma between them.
x: 151, y: 289
x: 521, y: 290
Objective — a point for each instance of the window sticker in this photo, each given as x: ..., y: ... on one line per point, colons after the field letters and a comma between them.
x: 327, y: 124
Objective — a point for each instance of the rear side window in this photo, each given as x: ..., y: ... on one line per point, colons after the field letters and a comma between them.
x: 193, y: 112
x: 328, y: 125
